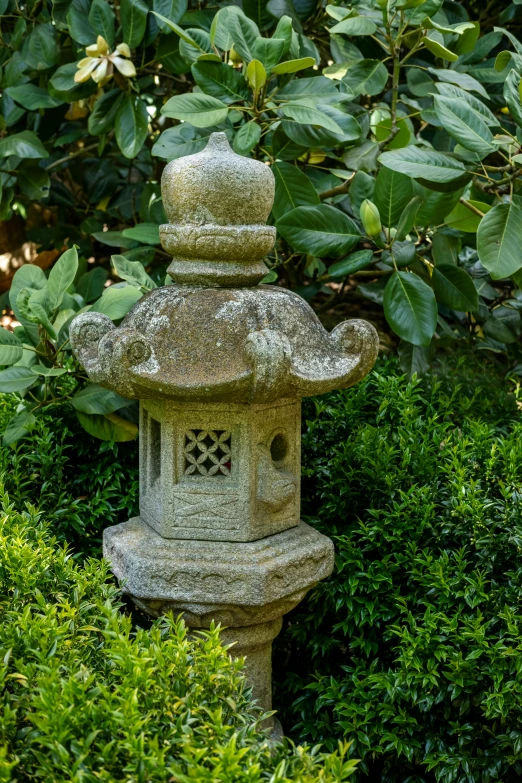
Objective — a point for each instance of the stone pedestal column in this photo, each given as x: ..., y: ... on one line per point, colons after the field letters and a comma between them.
x: 220, y: 364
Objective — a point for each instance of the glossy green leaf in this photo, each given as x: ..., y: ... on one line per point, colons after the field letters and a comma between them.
x: 307, y: 115
x: 424, y: 164
x: 454, y: 287
x: 445, y: 248
x: 28, y: 276
x: 41, y: 49
x: 435, y: 206
x: 453, y: 91
x: 170, y: 9
x: 133, y: 15
x: 292, y: 189
x: 499, y: 242
x: 10, y: 347
x: 319, y: 230
x: 102, y: 20
x: 362, y: 186
x: 438, y: 49
x: 183, y: 34
x: 110, y: 427
x: 244, y: 33
x: 410, y: 308
x: 366, y: 77
x: 220, y: 31
x: 16, y: 379
x: 61, y: 277
x: 95, y: 399
x: 292, y: 66
x: 78, y: 24
x: 465, y: 125
x: 256, y: 74
x: 131, y: 125
x: 463, y: 218
x: 463, y: 80
x: 354, y: 262
x: 133, y: 272
x: 47, y: 372
x: 269, y: 51
x: 91, y: 285
x: 393, y: 191
x: 512, y: 96
x: 221, y: 81
x: 183, y: 140
x: 147, y: 233
x: 32, y: 97
x: 467, y: 41
x: 33, y: 181
x: 103, y: 116
x: 407, y: 218
x: 247, y: 137
x: 201, y: 110
x: 25, y: 144
x: 355, y: 25
x: 116, y: 302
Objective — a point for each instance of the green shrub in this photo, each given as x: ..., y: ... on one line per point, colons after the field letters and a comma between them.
x: 413, y: 647
x: 79, y: 484
x: 85, y: 698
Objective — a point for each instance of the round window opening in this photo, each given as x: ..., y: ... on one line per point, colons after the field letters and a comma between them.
x: 278, y: 448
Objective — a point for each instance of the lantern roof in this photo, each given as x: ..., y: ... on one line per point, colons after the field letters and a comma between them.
x: 214, y: 335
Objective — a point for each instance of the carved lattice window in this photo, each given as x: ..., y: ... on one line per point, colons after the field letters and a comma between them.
x: 207, y: 453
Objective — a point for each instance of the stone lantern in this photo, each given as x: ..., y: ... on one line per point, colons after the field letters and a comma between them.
x: 220, y: 364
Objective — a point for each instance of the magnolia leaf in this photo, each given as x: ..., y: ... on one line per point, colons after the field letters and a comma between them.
x: 354, y: 262
x: 10, y: 347
x: 465, y: 125
x: 247, y: 137
x: 499, y: 240
x: 410, y: 308
x: 393, y: 191
x: 454, y: 287
x: 16, y: 379
x: 319, y: 230
x: 95, y: 399
x: 147, y: 233
x: 425, y: 164
x: 292, y: 189
x: 111, y: 427
x: 292, y: 66
x: 200, y: 110
x: 61, y: 277
x: 256, y: 74
x: 116, y: 302
x: 355, y: 25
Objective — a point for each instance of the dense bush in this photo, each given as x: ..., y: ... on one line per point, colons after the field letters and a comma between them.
x: 78, y: 484
x: 413, y: 647
x: 393, y: 128
x: 85, y: 698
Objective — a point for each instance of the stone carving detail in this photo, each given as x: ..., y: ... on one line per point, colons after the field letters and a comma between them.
x: 220, y: 365
x: 276, y: 487
x: 208, y: 453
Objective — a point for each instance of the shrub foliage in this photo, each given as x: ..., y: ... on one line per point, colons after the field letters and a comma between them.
x: 86, y: 698
x: 413, y: 647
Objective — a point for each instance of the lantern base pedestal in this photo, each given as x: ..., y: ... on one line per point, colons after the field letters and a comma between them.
x: 245, y: 587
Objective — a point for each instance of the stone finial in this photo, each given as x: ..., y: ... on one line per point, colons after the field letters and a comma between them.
x: 217, y: 204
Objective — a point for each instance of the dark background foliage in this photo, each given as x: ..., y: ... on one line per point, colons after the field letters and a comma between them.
x: 412, y: 648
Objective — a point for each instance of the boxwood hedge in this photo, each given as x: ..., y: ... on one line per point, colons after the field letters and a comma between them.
x: 413, y: 647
